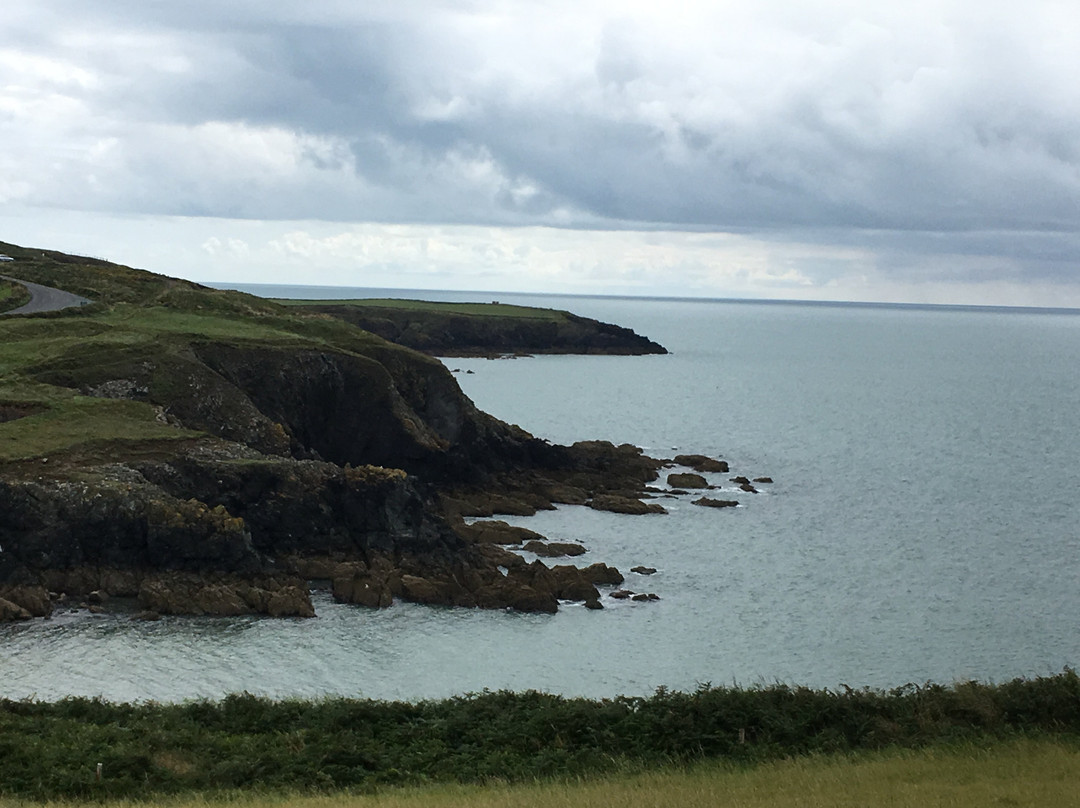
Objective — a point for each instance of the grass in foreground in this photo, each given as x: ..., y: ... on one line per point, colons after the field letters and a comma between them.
x: 1022, y: 772
x: 48, y: 751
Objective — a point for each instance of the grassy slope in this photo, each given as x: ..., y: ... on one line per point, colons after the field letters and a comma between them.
x: 135, y: 314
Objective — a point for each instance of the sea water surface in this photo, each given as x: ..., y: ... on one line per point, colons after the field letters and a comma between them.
x: 924, y: 522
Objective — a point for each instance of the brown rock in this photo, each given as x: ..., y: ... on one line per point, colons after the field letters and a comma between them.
x: 223, y: 596
x: 622, y: 594
x: 716, y: 503
x: 643, y: 570
x: 571, y: 584
x: 10, y: 611
x: 119, y: 583
x: 32, y: 599
x: 687, y: 481
x: 498, y: 557
x: 363, y: 589
x: 620, y: 504
x: 554, y: 549
x: 566, y: 494
x: 702, y: 463
x: 763, y: 479
x: 601, y: 574
x: 290, y: 601
x: 510, y: 594
x: 594, y: 604
x: 422, y: 590
x: 495, y: 532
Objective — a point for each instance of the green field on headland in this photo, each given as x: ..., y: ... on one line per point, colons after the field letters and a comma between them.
x: 492, y: 309
x: 481, y: 329
x: 50, y: 751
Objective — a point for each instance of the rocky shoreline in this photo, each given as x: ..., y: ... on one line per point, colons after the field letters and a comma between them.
x: 205, y: 452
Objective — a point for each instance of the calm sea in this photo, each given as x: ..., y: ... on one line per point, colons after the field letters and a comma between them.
x: 924, y: 523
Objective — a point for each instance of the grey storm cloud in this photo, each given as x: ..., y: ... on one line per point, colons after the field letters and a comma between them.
x: 938, y: 118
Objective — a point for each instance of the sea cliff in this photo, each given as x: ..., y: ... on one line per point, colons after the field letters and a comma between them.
x: 208, y: 452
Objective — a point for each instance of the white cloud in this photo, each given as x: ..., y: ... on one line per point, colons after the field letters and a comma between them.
x: 788, y: 123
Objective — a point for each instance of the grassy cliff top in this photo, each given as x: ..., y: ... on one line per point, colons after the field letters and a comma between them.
x: 137, y: 317
x: 493, y: 309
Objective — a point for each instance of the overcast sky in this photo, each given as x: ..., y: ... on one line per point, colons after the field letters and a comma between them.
x: 915, y: 151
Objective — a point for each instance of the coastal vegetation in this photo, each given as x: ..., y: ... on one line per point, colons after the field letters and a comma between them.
x: 50, y: 751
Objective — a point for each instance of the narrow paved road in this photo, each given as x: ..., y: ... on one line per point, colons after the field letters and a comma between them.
x: 45, y: 298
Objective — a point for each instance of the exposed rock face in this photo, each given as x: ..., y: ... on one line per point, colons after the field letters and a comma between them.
x: 187, y: 593
x: 319, y: 449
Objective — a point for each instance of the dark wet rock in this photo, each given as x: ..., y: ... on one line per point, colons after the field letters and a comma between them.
x: 594, y: 604
x: 571, y: 584
x: 224, y: 596
x: 33, y: 599
x: 687, y: 481
x: 622, y: 594
x: 627, y: 505
x: 146, y: 615
x: 554, y: 549
x: 11, y: 611
x: 363, y: 589
x: 601, y: 574
x: 644, y: 570
x: 763, y: 479
x: 708, y: 502
x: 741, y: 480
x: 748, y: 488
x: 496, y: 532
x: 702, y: 463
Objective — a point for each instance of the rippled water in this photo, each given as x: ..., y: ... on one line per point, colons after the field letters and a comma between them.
x: 924, y: 524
